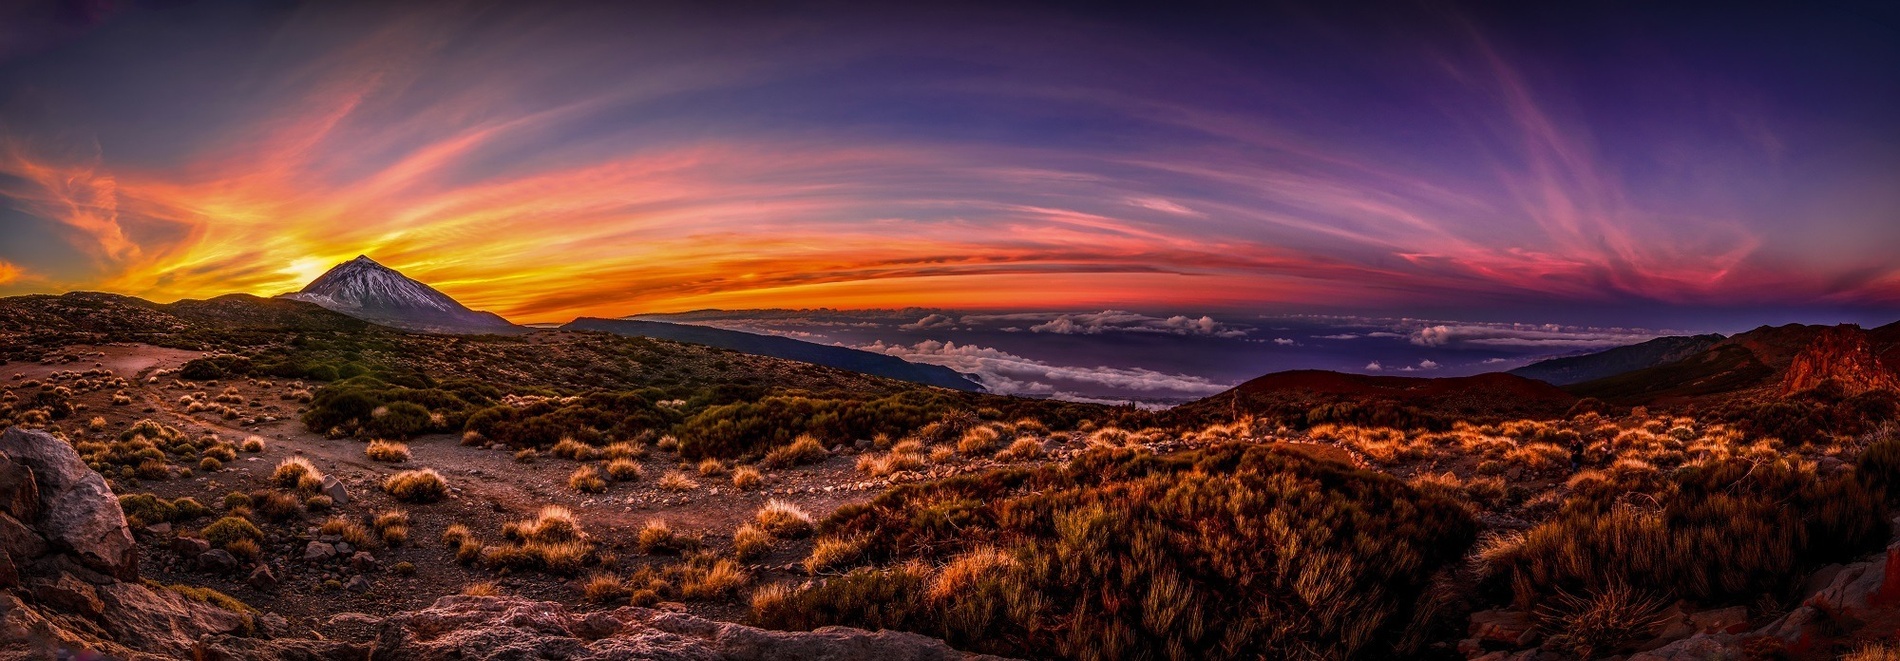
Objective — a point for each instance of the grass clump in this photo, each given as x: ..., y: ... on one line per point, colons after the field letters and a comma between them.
x: 677, y: 481
x: 416, y: 486
x: 747, y: 478
x: 803, y: 450
x: 145, y: 508
x: 783, y: 519
x: 297, y: 473
x: 387, y: 452
x: 586, y: 479
x: 624, y: 470
x: 231, y: 529
x: 552, y: 541
x: 751, y: 542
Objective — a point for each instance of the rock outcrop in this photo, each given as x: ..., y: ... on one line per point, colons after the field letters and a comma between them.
x: 69, y: 570
x: 1842, y: 355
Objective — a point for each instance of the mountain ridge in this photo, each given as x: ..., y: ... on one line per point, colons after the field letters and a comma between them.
x: 856, y: 360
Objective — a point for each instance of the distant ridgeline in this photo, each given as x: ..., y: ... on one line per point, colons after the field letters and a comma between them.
x: 875, y: 364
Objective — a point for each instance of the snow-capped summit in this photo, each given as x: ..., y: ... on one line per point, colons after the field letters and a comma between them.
x: 372, y: 292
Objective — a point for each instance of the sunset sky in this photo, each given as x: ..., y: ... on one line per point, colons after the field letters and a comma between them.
x: 1656, y: 164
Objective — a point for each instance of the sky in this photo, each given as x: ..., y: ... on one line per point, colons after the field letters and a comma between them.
x: 1696, y: 166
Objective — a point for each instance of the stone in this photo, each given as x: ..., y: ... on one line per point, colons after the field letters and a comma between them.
x: 262, y: 579
x: 19, y: 492
x: 1509, y: 627
x: 9, y: 574
x: 1733, y: 619
x: 332, y: 487
x: 78, y: 513
x: 69, y: 595
x: 217, y: 560
x: 20, y: 540
x: 190, y: 547
x: 363, y: 561
x: 357, y: 583
x: 318, y: 551
x: 159, y: 529
x: 344, y: 548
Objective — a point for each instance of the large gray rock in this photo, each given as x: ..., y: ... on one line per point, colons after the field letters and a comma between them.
x: 19, y: 493
x: 332, y: 487
x: 493, y: 628
x: 78, y: 513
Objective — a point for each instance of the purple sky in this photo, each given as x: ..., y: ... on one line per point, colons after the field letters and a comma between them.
x: 1705, y: 166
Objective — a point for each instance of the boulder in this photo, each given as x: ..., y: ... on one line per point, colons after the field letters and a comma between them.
x: 358, y: 583
x: 332, y: 487
x: 19, y: 493
x: 190, y: 547
x: 262, y: 579
x: 363, y: 561
x: 20, y: 541
x: 318, y: 551
x: 70, y: 595
x: 78, y: 513
x: 217, y: 560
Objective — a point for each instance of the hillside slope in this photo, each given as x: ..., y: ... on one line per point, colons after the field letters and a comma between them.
x: 1314, y: 396
x: 1603, y: 364
x: 855, y: 360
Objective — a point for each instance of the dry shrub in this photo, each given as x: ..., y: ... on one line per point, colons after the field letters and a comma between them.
x: 803, y: 450
x: 552, y: 541
x: 481, y: 589
x: 624, y: 470
x: 677, y: 481
x: 711, y: 467
x: 393, y: 527
x: 568, y: 448
x: 1874, y: 652
x: 586, y: 479
x: 349, y: 530
x: 721, y: 579
x: 526, y: 456
x: 833, y: 552
x: 625, y: 450
x: 276, y: 505
x: 297, y: 473
x: 1602, y: 622
x: 979, y: 441
x: 1024, y: 449
x: 209, y: 464
x: 657, y: 537
x: 751, y: 542
x: 603, y: 588
x: 387, y: 452
x: 783, y: 519
x: 1232, y: 551
x: 417, y: 486
x: 747, y: 478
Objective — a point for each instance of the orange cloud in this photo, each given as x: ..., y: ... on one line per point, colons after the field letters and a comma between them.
x: 9, y: 273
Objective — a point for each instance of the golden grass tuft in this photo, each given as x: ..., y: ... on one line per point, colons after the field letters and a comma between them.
x: 417, y: 486
x: 624, y: 470
x: 677, y: 481
x: 387, y: 452
x: 586, y: 479
x: 747, y: 478
x: 831, y: 552
x: 751, y: 542
x: 802, y: 450
x: 783, y: 519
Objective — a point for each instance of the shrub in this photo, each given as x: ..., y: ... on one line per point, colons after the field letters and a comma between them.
x: 979, y: 441
x: 318, y: 503
x: 1235, y: 550
x: 253, y: 444
x: 722, y: 579
x: 405, y: 568
x: 526, y: 456
x: 1024, y: 449
x: 297, y: 473
x: 145, y: 508
x: 349, y: 530
x: 783, y: 519
x: 416, y: 486
x: 803, y: 450
x: 623, y: 470
x: 244, y: 549
x: 711, y: 468
x: 751, y: 542
x: 154, y: 469
x: 276, y: 505
x: 1603, y: 622
x: 747, y: 478
x: 677, y: 481
x: 236, y: 500
x: 481, y: 589
x: 603, y: 588
x: 220, y: 452
x: 569, y: 448
x: 387, y: 452
x: 230, y: 529
x: 625, y: 450
x: 586, y: 479
x: 1725, y: 531
x: 657, y: 537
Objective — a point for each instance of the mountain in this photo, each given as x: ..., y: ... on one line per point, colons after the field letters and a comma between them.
x: 372, y: 292
x: 866, y: 362
x: 1319, y: 396
x: 1602, y: 364
x: 1768, y: 361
